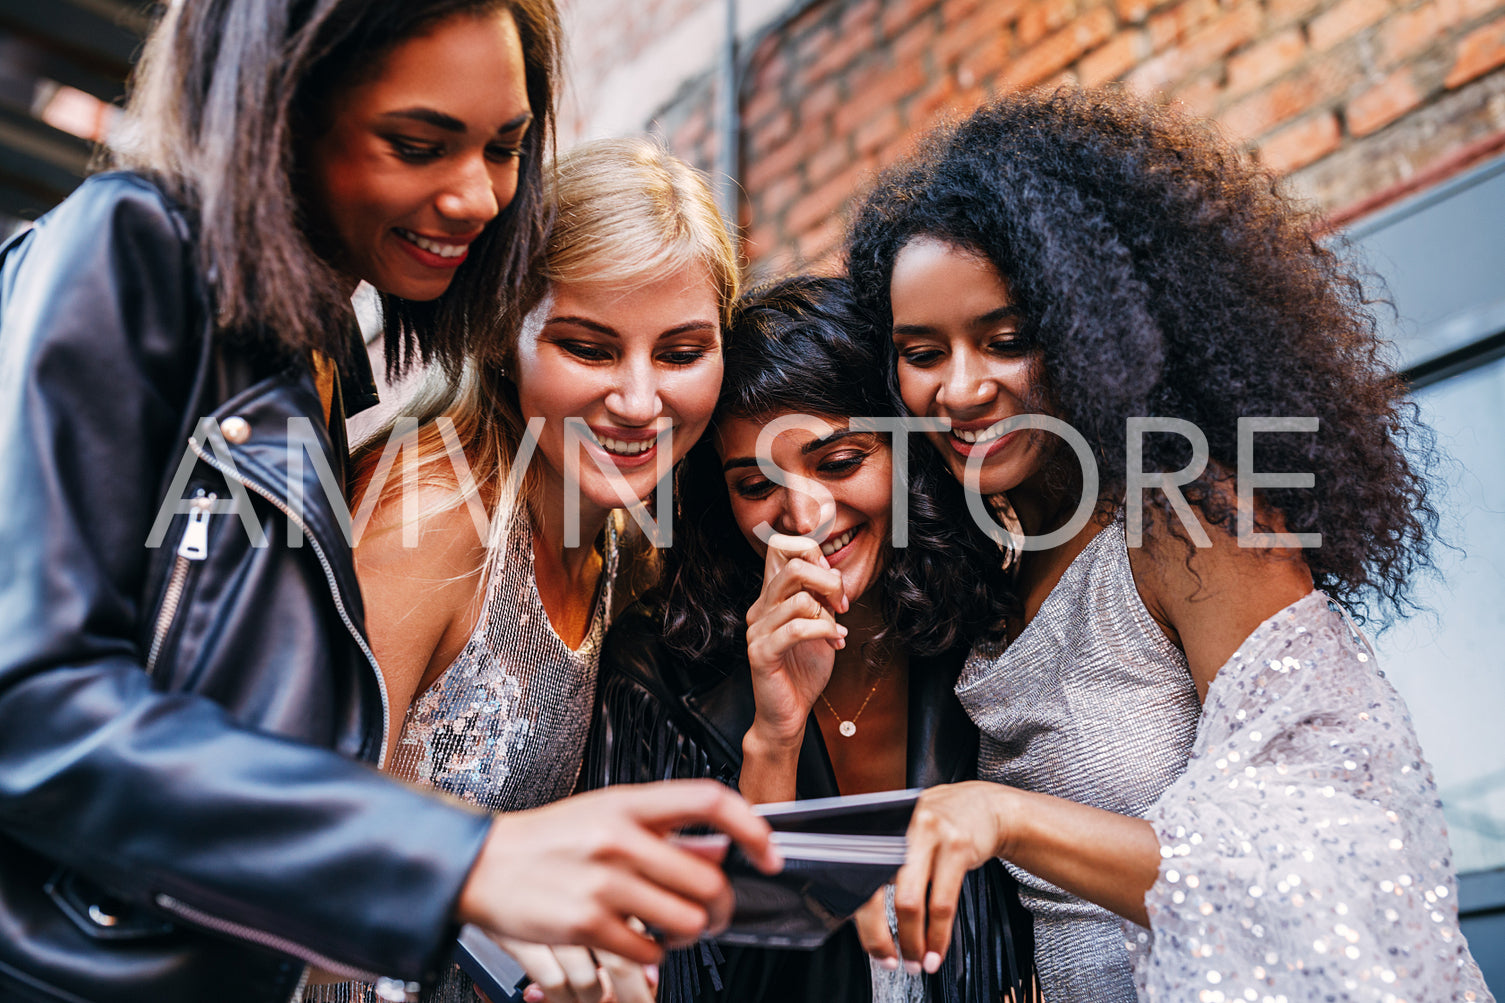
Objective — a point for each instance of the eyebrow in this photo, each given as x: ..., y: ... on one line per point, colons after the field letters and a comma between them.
x: 992, y: 317
x: 449, y: 123
x: 689, y: 327
x: 812, y: 446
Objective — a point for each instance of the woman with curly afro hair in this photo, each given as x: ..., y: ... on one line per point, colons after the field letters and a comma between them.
x: 1169, y: 403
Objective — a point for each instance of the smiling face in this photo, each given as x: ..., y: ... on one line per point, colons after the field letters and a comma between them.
x: 416, y: 159
x: 962, y: 356
x: 632, y: 364
x: 852, y: 469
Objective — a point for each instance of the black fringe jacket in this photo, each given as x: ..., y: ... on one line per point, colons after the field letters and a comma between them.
x: 660, y: 717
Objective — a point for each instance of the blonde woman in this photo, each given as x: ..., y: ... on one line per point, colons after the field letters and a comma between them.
x: 488, y: 630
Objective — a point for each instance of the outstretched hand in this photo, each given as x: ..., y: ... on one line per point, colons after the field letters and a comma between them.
x: 955, y: 828
x: 577, y: 871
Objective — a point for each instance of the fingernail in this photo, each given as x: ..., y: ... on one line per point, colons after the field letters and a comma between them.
x: 912, y: 967
x: 891, y: 964
x: 533, y: 994
x: 932, y: 962
x: 652, y: 972
x: 843, y: 630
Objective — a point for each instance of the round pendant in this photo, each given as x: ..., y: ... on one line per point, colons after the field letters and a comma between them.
x: 847, y: 729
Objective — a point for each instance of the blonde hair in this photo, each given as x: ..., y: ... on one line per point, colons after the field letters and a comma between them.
x: 624, y: 213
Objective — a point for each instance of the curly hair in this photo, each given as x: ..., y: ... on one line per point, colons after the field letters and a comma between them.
x: 799, y: 346
x: 1161, y: 275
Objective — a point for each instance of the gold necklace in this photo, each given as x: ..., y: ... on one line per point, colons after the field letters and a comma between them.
x: 848, y: 727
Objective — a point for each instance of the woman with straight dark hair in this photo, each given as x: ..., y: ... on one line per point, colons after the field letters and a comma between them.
x: 1189, y: 757
x: 796, y: 652
x: 189, y: 708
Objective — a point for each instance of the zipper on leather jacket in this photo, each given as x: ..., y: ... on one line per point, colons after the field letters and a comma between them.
x: 386, y: 988
x: 193, y: 547
x: 334, y: 586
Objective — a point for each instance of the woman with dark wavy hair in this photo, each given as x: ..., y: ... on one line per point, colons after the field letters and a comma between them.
x: 1186, y: 744
x: 796, y: 652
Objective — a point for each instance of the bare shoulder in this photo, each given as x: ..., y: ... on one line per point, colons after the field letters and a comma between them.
x: 1207, y: 591
x: 421, y: 560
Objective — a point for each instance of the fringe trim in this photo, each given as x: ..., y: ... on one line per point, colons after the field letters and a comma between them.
x: 642, y: 743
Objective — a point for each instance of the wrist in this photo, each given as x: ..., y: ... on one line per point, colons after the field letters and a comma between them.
x: 1008, y: 817
x: 775, y: 742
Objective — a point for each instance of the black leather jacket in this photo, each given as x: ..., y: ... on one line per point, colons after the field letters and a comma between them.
x: 663, y: 717
x: 167, y: 829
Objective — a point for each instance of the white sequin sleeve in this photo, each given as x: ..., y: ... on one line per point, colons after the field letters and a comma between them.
x: 1303, y: 851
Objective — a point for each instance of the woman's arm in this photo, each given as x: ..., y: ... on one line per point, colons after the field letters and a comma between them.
x: 792, y: 639
x: 1207, y: 600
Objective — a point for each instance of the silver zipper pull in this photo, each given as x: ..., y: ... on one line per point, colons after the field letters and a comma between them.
x: 195, y: 545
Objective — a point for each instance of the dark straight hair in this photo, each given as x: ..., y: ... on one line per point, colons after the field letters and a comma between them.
x: 221, y: 103
x: 801, y: 346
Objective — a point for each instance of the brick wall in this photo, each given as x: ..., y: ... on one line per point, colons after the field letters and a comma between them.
x: 1346, y: 98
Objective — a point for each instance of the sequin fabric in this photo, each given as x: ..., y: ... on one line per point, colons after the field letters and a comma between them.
x: 1304, y: 854
x: 1091, y: 703
x: 895, y: 986
x: 505, y: 726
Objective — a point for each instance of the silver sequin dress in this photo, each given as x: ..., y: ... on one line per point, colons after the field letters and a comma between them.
x: 1091, y: 703
x: 1303, y: 850
x: 505, y: 726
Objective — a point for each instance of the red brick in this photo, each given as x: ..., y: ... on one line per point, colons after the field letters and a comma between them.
x: 817, y: 103
x: 954, y: 12
x: 914, y: 43
x: 1238, y: 26
x: 1122, y: 53
x: 1059, y: 50
x: 1202, y: 96
x: 984, y: 63
x: 1043, y: 17
x: 765, y: 166
x: 1347, y: 19
x: 1478, y: 53
x: 815, y: 244
x: 770, y: 68
x: 860, y: 17
x: 899, y: 14
x: 775, y: 198
x: 772, y: 130
x: 763, y: 103
x: 1382, y: 104
x: 826, y: 161
x: 880, y: 131
x: 1283, y: 12
x: 825, y: 201
x: 1262, y: 63
x: 1290, y: 97
x: 1303, y: 143
x: 845, y: 49
x: 1409, y: 32
x: 877, y: 90
x: 1176, y: 23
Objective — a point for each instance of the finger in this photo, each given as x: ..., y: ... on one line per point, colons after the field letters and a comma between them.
x: 677, y: 803
x: 782, y: 549
x: 627, y: 982
x: 676, y: 917
x: 798, y: 631
x: 800, y: 606
x: 911, y: 888
x: 580, y: 973
x: 871, y: 922
x: 542, y: 967
x: 945, y: 889
x: 800, y: 575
